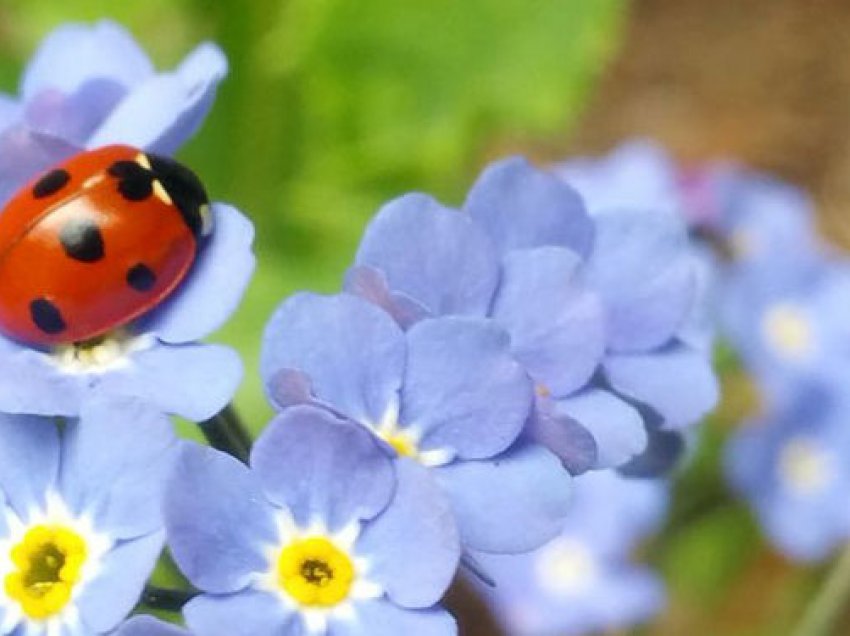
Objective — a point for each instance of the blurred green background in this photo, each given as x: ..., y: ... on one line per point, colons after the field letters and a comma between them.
x: 333, y: 107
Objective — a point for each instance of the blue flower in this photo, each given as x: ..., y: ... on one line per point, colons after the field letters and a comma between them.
x: 446, y: 392
x: 80, y: 521
x: 149, y: 626
x: 91, y: 86
x: 638, y: 174
x: 583, y: 581
x: 652, y: 282
x: 762, y: 221
x: 156, y: 358
x: 324, y: 534
x: 788, y: 325
x: 599, y: 308
x: 791, y: 466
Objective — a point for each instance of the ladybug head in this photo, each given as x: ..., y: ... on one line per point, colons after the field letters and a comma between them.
x: 186, y: 191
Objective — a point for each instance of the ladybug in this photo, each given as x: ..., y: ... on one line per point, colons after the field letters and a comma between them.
x: 96, y: 242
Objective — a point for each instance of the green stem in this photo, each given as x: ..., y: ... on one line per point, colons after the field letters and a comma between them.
x: 226, y: 432
x: 165, y: 599
x: 824, y: 610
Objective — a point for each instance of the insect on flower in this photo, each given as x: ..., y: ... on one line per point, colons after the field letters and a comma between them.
x: 95, y: 242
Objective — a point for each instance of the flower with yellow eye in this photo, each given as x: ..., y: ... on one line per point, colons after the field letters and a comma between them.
x: 323, y: 534
x: 80, y: 522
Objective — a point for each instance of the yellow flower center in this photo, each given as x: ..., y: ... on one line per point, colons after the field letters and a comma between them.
x: 402, y: 443
x: 804, y: 466
x: 100, y: 354
x: 315, y: 572
x: 565, y: 566
x: 48, y: 563
x: 787, y: 330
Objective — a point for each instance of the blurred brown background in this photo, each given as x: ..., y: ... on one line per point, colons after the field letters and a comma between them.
x: 764, y: 81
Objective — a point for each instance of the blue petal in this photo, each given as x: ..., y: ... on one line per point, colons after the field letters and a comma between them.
x: 10, y: 110
x: 351, y: 352
x: 677, y: 382
x: 639, y: 173
x: 32, y: 383
x: 248, y: 613
x: 520, y: 206
x: 214, y: 287
x: 633, y: 509
x: 73, y: 117
x: 643, y: 269
x: 433, y: 255
x: 371, y: 284
x: 412, y: 547
x: 380, y: 617
x: 218, y: 521
x: 165, y: 110
x: 24, y: 153
x: 556, y: 324
x: 115, y: 460
x: 321, y: 467
x: 111, y: 595
x: 569, y: 440
x: 75, y: 53
x: 194, y: 381
x: 29, y: 460
x: 462, y: 389
x: 149, y: 626
x: 616, y: 426
x: 512, y: 503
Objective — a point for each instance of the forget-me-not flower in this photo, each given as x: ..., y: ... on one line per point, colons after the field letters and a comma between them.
x: 88, y: 86
x: 323, y: 534
x: 584, y: 581
x: 80, y: 525
x: 593, y: 304
x: 157, y: 358
x: 654, y: 284
x: 790, y: 464
x: 446, y: 393
x: 92, y: 85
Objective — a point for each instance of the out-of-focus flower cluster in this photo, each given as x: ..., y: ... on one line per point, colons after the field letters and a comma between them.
x: 780, y: 297
x: 482, y: 395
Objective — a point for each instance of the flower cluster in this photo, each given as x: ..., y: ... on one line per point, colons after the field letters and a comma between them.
x: 599, y: 302
x: 781, y: 300
x: 435, y: 414
x: 86, y: 443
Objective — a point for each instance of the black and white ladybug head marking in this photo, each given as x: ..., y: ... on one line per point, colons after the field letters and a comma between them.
x: 185, y: 190
x: 171, y: 182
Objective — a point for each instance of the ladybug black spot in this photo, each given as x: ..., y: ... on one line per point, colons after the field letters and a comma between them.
x: 50, y: 183
x: 135, y: 182
x: 81, y: 239
x: 46, y: 316
x: 141, y: 277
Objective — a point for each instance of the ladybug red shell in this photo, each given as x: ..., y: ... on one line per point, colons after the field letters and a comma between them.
x: 96, y: 242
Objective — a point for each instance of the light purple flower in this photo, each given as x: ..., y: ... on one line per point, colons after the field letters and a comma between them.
x: 446, y: 392
x: 600, y: 308
x: 90, y: 495
x: 324, y: 534
x: 791, y: 467
x: 157, y: 358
